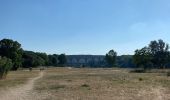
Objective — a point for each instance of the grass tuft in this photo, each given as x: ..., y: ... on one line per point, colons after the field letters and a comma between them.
x: 85, y: 85
x: 137, y: 71
x: 140, y: 79
x: 168, y: 73
x: 56, y: 87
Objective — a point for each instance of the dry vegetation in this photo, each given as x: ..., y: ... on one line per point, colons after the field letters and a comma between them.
x: 94, y: 84
x: 15, y: 78
x: 103, y: 84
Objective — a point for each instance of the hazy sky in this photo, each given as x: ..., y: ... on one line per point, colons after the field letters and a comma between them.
x: 85, y: 26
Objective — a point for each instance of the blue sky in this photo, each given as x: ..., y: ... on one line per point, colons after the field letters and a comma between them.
x: 85, y: 26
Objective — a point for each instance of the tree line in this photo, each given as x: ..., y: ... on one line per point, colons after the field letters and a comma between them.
x: 155, y: 55
x: 34, y: 59
x: 12, y: 57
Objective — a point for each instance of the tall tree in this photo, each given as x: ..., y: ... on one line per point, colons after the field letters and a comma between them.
x: 156, y: 55
x: 160, y: 53
x: 5, y: 66
x: 62, y: 59
x: 11, y: 49
x: 44, y: 56
x: 53, y: 60
x: 142, y: 58
x: 111, y: 57
x: 32, y: 59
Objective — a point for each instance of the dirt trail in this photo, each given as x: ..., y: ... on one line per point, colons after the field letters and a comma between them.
x: 154, y: 93
x: 22, y: 92
x: 159, y: 93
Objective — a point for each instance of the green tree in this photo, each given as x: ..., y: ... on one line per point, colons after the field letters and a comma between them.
x: 44, y: 56
x: 11, y: 49
x: 156, y: 55
x: 111, y: 58
x: 142, y: 58
x: 53, y: 60
x: 38, y: 61
x: 5, y: 66
x: 62, y: 59
x: 32, y: 59
x: 160, y: 53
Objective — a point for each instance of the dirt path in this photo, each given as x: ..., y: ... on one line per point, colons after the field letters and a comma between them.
x: 22, y: 92
x: 154, y: 93
x: 158, y: 93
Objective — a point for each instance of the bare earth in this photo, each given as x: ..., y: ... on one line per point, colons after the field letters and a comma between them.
x: 22, y: 92
x: 91, y: 84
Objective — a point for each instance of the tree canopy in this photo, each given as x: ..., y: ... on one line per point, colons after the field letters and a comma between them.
x: 12, y: 49
x: 155, y: 55
x: 32, y: 59
x: 62, y: 59
x: 111, y: 57
x: 5, y: 66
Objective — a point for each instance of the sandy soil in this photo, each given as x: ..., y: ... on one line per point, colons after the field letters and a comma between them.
x: 23, y: 92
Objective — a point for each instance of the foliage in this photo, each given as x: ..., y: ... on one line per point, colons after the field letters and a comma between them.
x: 5, y: 66
x: 44, y: 56
x: 62, y: 59
x: 53, y: 60
x: 156, y: 55
x: 140, y: 79
x: 160, y: 53
x: 137, y: 71
x: 111, y: 57
x: 168, y: 73
x: 85, y: 85
x: 142, y: 58
x: 11, y: 49
x: 32, y: 59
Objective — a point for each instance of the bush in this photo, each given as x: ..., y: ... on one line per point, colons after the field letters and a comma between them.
x: 85, y: 85
x: 5, y: 66
x: 138, y: 71
x: 140, y: 79
x: 168, y: 73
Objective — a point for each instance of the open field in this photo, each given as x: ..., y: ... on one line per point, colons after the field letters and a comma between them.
x: 86, y: 84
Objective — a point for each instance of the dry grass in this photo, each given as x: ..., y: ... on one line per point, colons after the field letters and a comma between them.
x: 15, y: 78
x: 90, y: 84
x: 102, y: 84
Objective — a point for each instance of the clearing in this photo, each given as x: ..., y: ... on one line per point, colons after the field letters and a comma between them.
x: 85, y: 84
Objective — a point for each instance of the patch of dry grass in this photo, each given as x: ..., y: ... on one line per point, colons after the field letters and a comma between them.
x: 15, y: 78
x: 93, y: 84
x: 103, y: 84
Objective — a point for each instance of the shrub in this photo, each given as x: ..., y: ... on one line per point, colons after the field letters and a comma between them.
x: 168, y: 73
x: 5, y: 66
x: 138, y: 71
x: 140, y: 79
x: 56, y: 87
x: 85, y: 85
